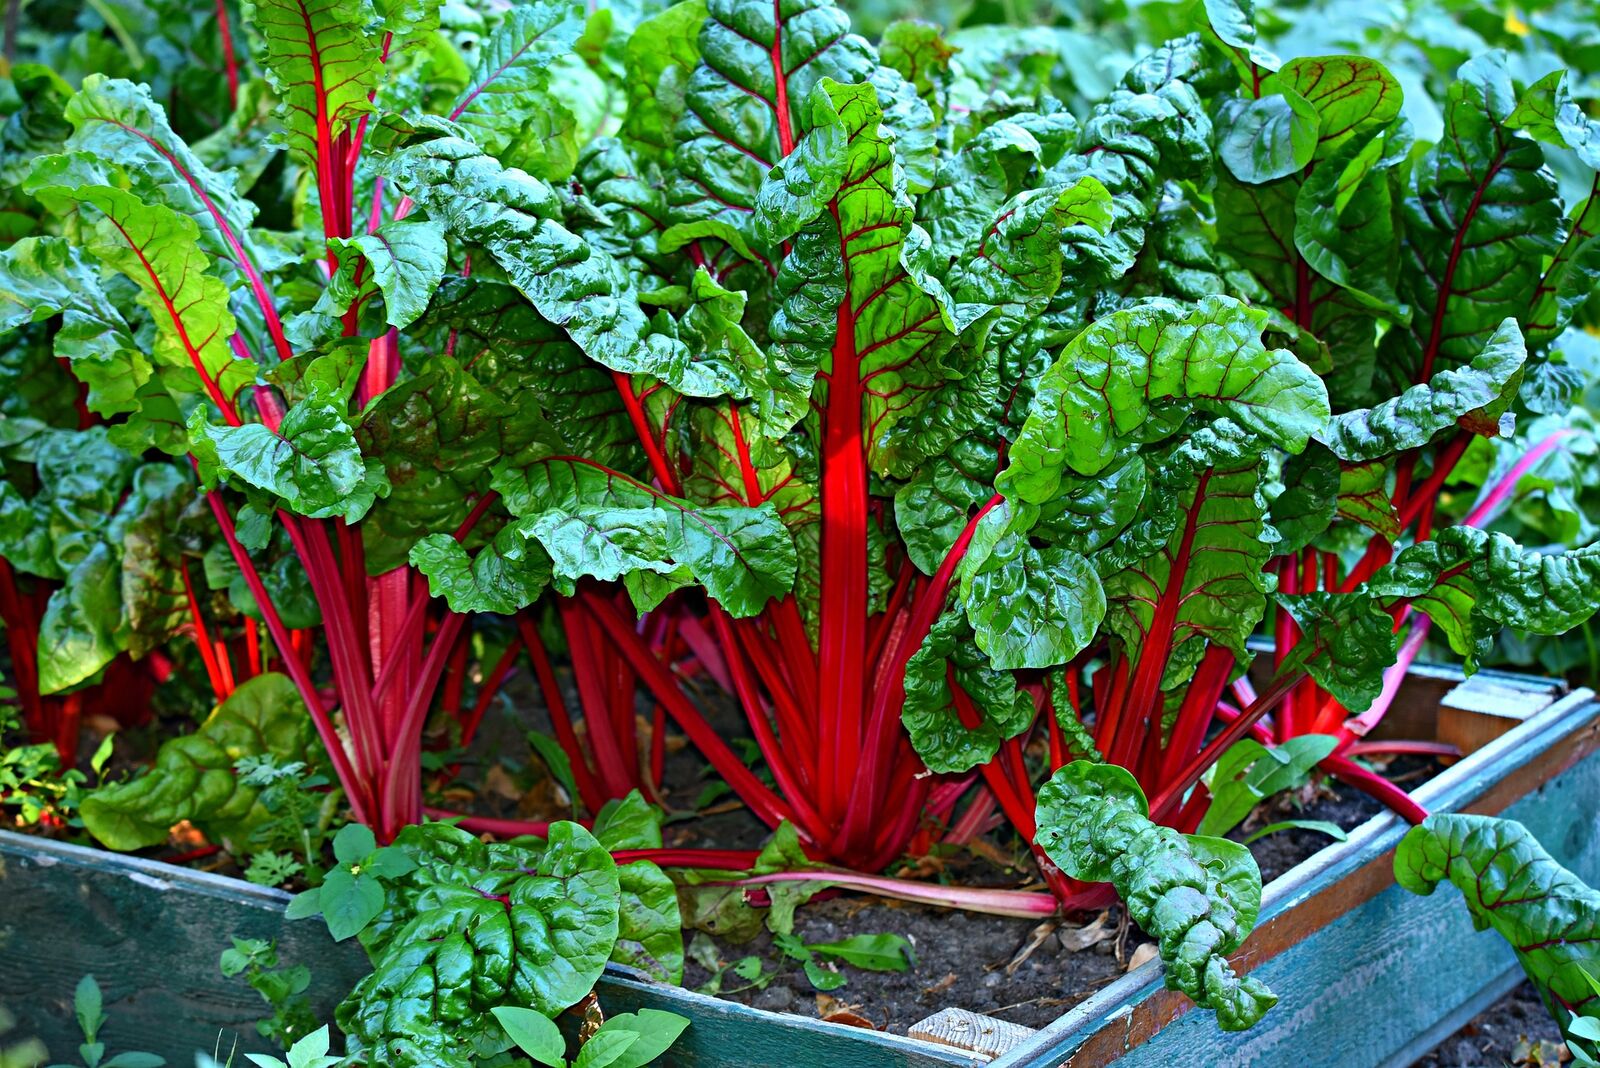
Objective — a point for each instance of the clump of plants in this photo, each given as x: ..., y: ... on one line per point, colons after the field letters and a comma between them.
x: 961, y: 427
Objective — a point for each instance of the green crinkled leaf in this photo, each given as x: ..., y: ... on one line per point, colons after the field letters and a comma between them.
x: 115, y: 119
x: 650, y: 932
x: 1364, y: 498
x: 1105, y: 387
x: 437, y: 434
x: 1029, y: 607
x: 193, y: 777
x: 515, y: 354
x: 81, y: 477
x: 511, y: 81
x: 1197, y: 896
x: 602, y: 524
x: 900, y: 321
x: 81, y: 631
x: 1482, y: 214
x: 919, y: 52
x: 404, y: 258
x: 1472, y: 395
x: 574, y: 285
x: 1472, y: 582
x: 1189, y: 572
x: 312, y: 463
x: 747, y: 101
x: 41, y: 277
x: 159, y: 250
x: 472, y: 927
x: 659, y: 56
x: 155, y: 543
x: 505, y: 575
x: 1309, y: 500
x: 1348, y: 641
x: 1510, y: 883
x: 958, y: 708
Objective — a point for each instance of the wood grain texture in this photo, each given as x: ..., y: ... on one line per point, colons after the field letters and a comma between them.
x: 151, y: 934
x: 1365, y: 971
x: 969, y: 1030
x: 1480, y: 710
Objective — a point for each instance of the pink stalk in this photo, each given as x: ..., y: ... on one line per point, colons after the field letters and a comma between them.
x: 292, y: 663
x: 1495, y: 497
x: 1398, y: 747
x: 1370, y: 782
x: 1356, y: 726
x: 978, y: 817
x: 1022, y: 903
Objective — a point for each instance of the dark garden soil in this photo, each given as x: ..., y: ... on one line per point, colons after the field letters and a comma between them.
x: 1021, y: 971
x: 1516, y: 1030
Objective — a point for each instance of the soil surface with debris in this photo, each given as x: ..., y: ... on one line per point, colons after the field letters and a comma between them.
x: 1013, y: 969
x: 1516, y: 1030
x: 1016, y: 970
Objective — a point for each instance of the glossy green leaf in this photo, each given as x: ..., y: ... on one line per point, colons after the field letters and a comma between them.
x: 1197, y: 896
x: 1510, y: 883
x: 158, y: 249
x: 534, y: 1033
x: 1472, y: 582
x: 41, y: 277
x: 597, y: 522
x: 323, y: 66
x: 958, y: 708
x: 1029, y: 607
x: 1472, y: 396
x: 1480, y: 217
x: 511, y: 83
x: 404, y: 258
x: 312, y: 463
x: 1188, y: 572
x: 1268, y: 137
x: 475, y: 927
x: 574, y: 285
x: 1104, y: 389
x: 193, y: 778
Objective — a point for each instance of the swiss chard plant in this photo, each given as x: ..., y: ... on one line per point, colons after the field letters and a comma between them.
x: 963, y: 425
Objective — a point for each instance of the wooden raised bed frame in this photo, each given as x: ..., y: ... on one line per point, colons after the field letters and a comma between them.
x: 1367, y: 974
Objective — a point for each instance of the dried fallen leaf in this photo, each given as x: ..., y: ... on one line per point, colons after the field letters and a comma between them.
x: 1035, y: 939
x: 941, y: 986
x: 544, y: 799
x: 1143, y: 952
x: 829, y: 1006
x: 1100, y: 929
x: 593, y: 1018
x: 850, y: 1019
x: 992, y: 853
x: 498, y: 781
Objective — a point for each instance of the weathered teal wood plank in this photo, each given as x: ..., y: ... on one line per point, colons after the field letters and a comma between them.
x: 1380, y: 982
x: 151, y: 934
